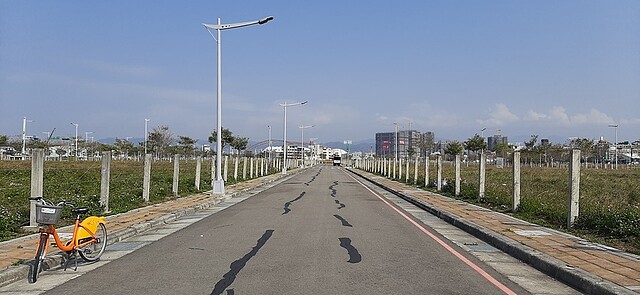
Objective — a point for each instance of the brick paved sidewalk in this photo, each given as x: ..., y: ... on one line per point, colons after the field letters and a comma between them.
x: 14, y: 253
x: 589, y: 267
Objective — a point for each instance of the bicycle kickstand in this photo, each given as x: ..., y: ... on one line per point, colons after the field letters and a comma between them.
x: 75, y: 258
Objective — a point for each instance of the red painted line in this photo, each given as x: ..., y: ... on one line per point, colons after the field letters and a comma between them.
x: 479, y: 270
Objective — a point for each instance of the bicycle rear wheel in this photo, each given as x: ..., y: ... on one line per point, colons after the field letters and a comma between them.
x: 93, y: 251
x: 38, y: 260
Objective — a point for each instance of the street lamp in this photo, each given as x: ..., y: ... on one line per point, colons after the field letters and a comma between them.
x: 146, y: 134
x: 86, y: 136
x: 616, y: 142
x: 396, y: 125
x: 482, y: 135
x: 76, y: 140
x: 269, y: 126
x: 218, y: 184
x: 303, y: 128
x: 24, y: 135
x: 284, y: 160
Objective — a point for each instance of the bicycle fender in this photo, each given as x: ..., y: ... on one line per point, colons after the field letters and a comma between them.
x: 91, y: 223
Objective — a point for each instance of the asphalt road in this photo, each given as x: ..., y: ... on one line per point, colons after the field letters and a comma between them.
x: 320, y: 232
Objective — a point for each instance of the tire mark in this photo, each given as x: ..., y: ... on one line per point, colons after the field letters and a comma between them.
x: 344, y: 221
x: 354, y: 255
x: 334, y: 192
x: 313, y: 178
x: 238, y: 265
x: 287, y: 204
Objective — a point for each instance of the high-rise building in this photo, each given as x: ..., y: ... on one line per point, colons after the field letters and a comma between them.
x: 495, y: 140
x: 410, y: 143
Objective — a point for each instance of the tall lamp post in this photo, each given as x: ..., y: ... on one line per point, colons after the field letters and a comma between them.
x: 24, y: 135
x: 303, y: 128
x: 284, y: 143
x: 146, y: 134
x: 482, y: 135
x: 396, y: 125
x: 218, y: 184
x: 615, y: 144
x: 269, y: 126
x: 76, y: 140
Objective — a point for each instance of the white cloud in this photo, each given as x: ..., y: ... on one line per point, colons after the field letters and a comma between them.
x: 534, y: 116
x: 593, y: 117
x: 500, y: 115
x: 558, y: 114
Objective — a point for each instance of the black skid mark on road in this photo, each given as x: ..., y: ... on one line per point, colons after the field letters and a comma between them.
x: 344, y: 221
x: 287, y: 204
x: 238, y: 265
x: 333, y: 189
x: 354, y: 255
x: 231, y: 292
x: 340, y: 205
x: 313, y: 178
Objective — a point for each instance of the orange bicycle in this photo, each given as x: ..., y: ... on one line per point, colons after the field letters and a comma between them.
x: 89, y: 235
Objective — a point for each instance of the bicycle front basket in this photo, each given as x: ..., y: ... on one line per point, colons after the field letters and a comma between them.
x: 46, y: 214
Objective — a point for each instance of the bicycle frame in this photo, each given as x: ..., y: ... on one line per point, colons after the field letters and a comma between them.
x: 81, y: 230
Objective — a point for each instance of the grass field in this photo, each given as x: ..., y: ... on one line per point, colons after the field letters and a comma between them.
x: 80, y: 182
x: 609, y: 199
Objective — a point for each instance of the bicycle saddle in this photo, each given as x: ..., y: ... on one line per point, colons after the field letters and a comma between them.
x: 81, y: 210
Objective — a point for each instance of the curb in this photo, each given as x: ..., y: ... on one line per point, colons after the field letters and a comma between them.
x: 576, y: 278
x: 13, y: 274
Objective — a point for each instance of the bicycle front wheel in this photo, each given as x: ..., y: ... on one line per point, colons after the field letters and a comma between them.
x: 94, y: 250
x: 38, y: 260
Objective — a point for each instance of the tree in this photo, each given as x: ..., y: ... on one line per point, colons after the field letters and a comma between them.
x: 454, y: 148
x: 160, y: 139
x: 4, y: 139
x: 411, y: 152
x: 532, y: 142
x: 475, y: 143
x: 502, y: 149
x: 239, y: 143
x: 585, y: 145
x: 186, y: 144
x: 124, y: 147
x: 227, y: 137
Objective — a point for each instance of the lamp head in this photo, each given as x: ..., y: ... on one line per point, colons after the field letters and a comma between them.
x: 265, y: 20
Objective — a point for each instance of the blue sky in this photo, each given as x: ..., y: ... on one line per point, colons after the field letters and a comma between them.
x: 557, y: 69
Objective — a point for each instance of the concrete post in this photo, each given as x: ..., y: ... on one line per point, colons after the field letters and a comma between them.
x: 574, y: 187
x: 176, y: 174
x: 406, y: 178
x: 426, y: 171
x: 244, y: 167
x: 439, y: 163
x: 235, y: 168
x: 198, y: 168
x: 104, y: 180
x: 481, y: 179
x: 251, y: 170
x: 226, y: 168
x: 37, y: 182
x: 457, y: 187
x: 400, y: 169
x: 516, y: 181
x: 395, y: 163
x: 261, y: 166
x: 415, y: 172
x: 146, y: 182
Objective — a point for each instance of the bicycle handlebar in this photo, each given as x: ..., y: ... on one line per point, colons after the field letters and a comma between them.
x: 61, y: 203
